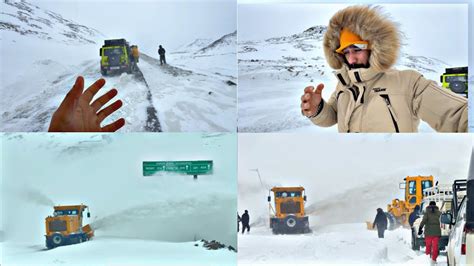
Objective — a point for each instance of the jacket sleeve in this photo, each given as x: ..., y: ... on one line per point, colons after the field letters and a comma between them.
x: 328, y: 115
x: 442, y: 109
x: 423, y: 221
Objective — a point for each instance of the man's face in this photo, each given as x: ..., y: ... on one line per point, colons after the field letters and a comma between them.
x: 356, y: 57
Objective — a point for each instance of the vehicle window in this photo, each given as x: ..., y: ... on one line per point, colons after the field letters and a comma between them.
x: 412, y: 187
x: 112, y: 51
x: 456, y: 78
x: 426, y: 184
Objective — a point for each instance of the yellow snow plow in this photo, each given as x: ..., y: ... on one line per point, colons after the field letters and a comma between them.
x: 288, y: 216
x: 65, y: 226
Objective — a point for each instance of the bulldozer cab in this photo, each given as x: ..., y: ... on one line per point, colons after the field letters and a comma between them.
x: 288, y: 200
x: 414, y: 188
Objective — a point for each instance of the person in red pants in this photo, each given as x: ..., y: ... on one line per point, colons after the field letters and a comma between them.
x: 432, y: 230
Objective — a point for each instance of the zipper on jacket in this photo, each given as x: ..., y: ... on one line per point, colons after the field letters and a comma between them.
x: 389, y: 106
x: 355, y: 92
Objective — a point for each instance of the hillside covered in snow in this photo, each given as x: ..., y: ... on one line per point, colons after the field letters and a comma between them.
x: 43, y: 52
x: 280, y: 53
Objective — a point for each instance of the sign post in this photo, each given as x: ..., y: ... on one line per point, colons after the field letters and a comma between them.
x: 193, y: 168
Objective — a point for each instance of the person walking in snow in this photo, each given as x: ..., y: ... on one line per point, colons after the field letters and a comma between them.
x: 245, y: 222
x: 432, y: 230
x: 161, y: 52
x: 380, y: 222
x: 362, y: 45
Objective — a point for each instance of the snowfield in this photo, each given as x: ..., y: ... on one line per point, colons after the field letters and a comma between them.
x: 346, y: 178
x: 273, y: 73
x: 118, y: 251
x: 153, y: 220
x: 195, y: 92
x: 340, y: 244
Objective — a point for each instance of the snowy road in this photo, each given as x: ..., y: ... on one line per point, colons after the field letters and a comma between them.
x: 335, y: 244
x: 157, y: 98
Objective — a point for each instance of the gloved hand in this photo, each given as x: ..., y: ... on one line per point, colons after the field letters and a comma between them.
x: 420, y: 231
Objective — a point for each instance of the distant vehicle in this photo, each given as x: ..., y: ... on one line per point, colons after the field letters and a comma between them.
x: 65, y: 226
x: 288, y: 216
x: 443, y: 196
x: 399, y: 210
x: 117, y: 56
x: 455, y: 79
x: 461, y: 240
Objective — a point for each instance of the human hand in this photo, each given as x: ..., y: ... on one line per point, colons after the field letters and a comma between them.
x: 311, y: 100
x: 77, y: 114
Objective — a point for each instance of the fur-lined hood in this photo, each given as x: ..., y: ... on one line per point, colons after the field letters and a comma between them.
x: 371, y: 25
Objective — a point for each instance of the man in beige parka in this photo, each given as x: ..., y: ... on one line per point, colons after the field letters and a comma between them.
x: 371, y: 96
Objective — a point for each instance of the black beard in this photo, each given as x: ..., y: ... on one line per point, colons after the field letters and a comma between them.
x: 355, y: 66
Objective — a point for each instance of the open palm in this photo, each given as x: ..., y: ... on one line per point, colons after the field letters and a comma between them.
x: 77, y: 114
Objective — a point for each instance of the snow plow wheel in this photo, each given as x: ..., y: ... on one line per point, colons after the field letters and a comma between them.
x: 57, y: 239
x: 290, y: 221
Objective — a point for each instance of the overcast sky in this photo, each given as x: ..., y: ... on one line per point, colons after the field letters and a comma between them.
x: 351, y: 159
x: 435, y: 30
x: 150, y: 23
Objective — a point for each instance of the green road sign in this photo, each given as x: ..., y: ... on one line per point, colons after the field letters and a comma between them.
x: 183, y: 167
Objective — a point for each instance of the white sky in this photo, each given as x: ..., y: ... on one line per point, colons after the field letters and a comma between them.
x: 150, y: 23
x: 435, y: 30
x: 352, y: 159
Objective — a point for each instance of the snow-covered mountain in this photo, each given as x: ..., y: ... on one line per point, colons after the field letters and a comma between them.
x: 41, y: 59
x: 225, y: 44
x: 273, y: 73
x: 28, y: 19
x: 192, y: 47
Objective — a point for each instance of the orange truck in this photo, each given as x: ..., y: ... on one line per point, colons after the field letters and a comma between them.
x: 65, y: 227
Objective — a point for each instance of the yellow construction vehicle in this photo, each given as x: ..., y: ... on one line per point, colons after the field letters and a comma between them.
x: 288, y: 216
x: 116, y: 56
x: 399, y: 211
x: 455, y: 79
x: 65, y: 226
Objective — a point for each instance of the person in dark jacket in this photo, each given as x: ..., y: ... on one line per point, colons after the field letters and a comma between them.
x: 245, y: 222
x: 432, y: 230
x: 238, y: 221
x: 161, y: 52
x: 381, y: 222
x: 413, y: 216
